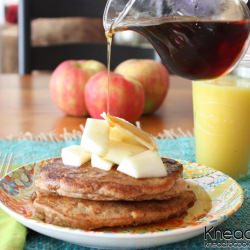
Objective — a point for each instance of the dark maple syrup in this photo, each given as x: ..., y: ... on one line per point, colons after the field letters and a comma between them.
x: 196, y: 49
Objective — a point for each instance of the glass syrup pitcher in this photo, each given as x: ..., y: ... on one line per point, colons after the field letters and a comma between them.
x: 196, y: 39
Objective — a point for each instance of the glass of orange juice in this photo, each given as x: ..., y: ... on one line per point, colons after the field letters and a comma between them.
x: 222, y: 124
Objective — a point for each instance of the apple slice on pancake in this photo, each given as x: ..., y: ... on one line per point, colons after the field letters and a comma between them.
x: 130, y: 131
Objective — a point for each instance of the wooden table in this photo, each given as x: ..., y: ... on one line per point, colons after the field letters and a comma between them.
x: 25, y: 105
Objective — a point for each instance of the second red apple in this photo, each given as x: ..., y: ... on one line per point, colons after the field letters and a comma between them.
x: 152, y: 75
x: 126, y: 96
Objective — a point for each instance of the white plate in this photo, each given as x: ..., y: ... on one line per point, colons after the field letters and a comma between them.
x: 218, y: 197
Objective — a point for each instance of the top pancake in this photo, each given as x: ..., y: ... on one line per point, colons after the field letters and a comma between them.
x: 91, y: 183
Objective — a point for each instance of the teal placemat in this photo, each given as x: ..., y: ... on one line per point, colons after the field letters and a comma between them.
x: 181, y: 148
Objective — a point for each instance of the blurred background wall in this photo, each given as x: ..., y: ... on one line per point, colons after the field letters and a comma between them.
x: 51, y: 31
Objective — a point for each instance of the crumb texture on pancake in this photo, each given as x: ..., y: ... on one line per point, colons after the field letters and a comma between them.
x: 91, y: 183
x: 88, y: 215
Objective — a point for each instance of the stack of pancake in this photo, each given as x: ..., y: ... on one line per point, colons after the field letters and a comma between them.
x: 90, y: 198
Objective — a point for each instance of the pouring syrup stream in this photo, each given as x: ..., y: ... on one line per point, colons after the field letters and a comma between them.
x: 109, y: 37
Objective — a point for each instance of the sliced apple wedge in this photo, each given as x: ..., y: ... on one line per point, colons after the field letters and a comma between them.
x: 147, y: 164
x: 95, y: 138
x: 99, y: 162
x: 117, y: 134
x: 119, y: 150
x: 129, y: 129
x: 74, y: 155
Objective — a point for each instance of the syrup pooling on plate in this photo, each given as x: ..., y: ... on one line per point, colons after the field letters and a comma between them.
x: 198, y: 212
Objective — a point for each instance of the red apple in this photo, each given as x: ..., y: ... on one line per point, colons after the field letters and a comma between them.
x: 67, y: 84
x: 126, y: 96
x: 152, y: 75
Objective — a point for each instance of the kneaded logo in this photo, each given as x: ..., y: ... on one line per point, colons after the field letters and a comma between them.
x: 233, y: 234
x: 226, y: 238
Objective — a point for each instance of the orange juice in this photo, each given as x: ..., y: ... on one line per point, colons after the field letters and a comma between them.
x: 222, y: 124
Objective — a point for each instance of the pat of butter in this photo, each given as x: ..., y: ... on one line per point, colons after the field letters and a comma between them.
x: 99, y: 162
x: 74, y: 156
x: 147, y: 164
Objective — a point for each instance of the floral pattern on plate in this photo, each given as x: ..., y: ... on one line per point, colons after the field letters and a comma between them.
x: 218, y: 197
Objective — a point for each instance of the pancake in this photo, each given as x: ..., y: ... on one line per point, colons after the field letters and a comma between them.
x: 88, y: 215
x: 91, y: 183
